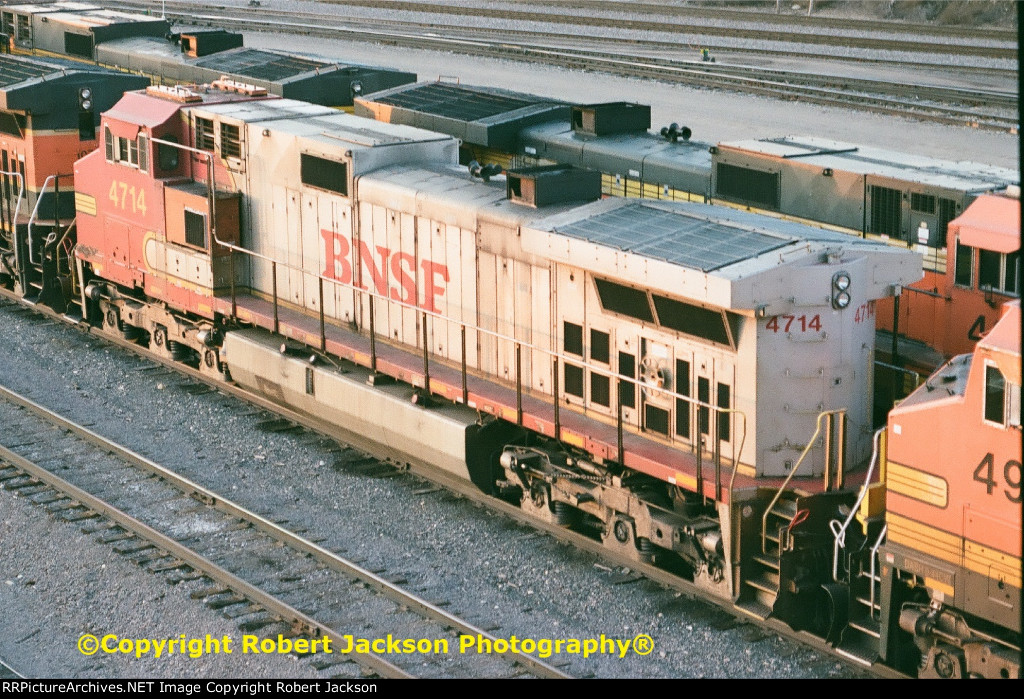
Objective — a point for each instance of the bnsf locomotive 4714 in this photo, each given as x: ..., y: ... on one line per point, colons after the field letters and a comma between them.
x: 692, y: 384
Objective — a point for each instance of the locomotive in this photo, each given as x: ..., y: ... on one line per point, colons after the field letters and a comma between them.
x: 901, y: 199
x: 904, y: 200
x: 689, y: 383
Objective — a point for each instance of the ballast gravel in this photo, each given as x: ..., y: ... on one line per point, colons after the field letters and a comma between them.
x: 497, y: 574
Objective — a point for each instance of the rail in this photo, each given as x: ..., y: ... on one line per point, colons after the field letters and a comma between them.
x: 839, y: 535
x: 713, y: 412
x: 827, y: 414
x: 290, y: 538
x: 874, y: 563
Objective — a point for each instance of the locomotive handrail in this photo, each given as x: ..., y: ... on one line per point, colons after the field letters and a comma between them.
x: 17, y: 211
x: 839, y: 536
x: 792, y: 472
x: 874, y: 561
x: 70, y: 250
x: 743, y: 439
x: 558, y: 357
x: 35, y: 212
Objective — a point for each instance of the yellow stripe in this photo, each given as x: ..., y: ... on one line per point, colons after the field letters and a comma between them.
x: 922, y: 537
x: 995, y: 563
x: 940, y: 586
x: 953, y: 549
x: 85, y: 203
x: 572, y: 438
x: 917, y: 484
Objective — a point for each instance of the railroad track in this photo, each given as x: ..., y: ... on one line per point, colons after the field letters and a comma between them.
x: 9, y: 673
x: 949, y: 105
x: 645, y: 44
x: 265, y: 576
x: 742, y: 14
x: 701, y: 31
x: 291, y: 420
x: 697, y: 24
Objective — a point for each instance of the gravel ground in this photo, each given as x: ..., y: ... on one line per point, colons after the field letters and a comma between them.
x: 57, y: 584
x: 489, y: 570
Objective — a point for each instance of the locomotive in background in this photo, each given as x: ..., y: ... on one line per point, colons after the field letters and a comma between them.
x: 689, y: 383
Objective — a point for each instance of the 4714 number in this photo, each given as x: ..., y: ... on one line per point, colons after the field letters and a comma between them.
x: 794, y: 323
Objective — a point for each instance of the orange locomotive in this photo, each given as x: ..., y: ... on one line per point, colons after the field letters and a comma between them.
x: 951, y: 563
x: 949, y: 312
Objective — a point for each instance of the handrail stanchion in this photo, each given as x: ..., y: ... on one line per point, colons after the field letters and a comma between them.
x: 231, y: 271
x: 323, y: 326
x: 519, y: 385
x: 373, y: 339
x: 841, y: 451
x: 426, y: 357
x: 700, y: 457
x: 554, y: 387
x: 465, y: 383
x: 828, y: 452
x: 618, y: 428
x: 273, y: 273
x: 717, y: 453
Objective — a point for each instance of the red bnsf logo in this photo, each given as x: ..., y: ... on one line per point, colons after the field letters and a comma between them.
x: 393, y: 273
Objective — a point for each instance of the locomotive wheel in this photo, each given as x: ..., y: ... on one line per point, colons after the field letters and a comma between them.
x: 620, y: 535
x: 622, y: 532
x: 538, y: 496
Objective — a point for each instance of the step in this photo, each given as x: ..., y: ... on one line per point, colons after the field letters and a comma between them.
x: 755, y: 608
x: 786, y: 509
x: 768, y: 560
x: 765, y: 580
x: 867, y: 626
x: 858, y: 646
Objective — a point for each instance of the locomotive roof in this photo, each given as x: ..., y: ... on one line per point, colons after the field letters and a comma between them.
x: 35, y: 85
x: 991, y: 222
x: 637, y: 148
x: 87, y: 13
x: 718, y: 255
x: 1002, y: 343
x: 19, y: 70
x: 268, y: 67
x: 823, y: 153
x: 318, y: 123
x: 479, y: 115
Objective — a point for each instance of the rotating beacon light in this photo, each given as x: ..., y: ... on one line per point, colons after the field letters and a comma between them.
x: 840, y: 290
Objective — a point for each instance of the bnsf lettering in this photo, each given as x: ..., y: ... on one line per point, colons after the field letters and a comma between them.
x: 393, y: 274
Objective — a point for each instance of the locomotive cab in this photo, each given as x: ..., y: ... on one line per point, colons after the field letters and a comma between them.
x: 152, y: 219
